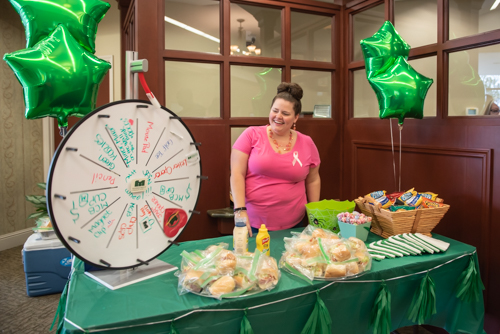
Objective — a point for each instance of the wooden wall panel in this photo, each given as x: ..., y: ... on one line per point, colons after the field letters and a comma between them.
x: 462, y: 180
x: 325, y: 135
x: 214, y: 194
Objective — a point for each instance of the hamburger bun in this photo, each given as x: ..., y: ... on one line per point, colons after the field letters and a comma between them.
x: 223, y: 285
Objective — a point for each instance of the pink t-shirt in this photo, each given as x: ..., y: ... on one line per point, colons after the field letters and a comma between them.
x: 275, y: 192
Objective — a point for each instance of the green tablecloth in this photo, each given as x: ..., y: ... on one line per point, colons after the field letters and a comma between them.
x: 149, y: 306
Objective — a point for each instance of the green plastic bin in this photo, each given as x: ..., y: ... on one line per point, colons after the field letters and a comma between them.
x: 324, y: 213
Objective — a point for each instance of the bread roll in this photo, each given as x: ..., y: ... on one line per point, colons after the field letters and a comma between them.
x: 192, y: 280
x: 226, y: 263
x: 356, y: 244
x: 319, y: 233
x: 310, y: 250
x: 340, y: 252
x: 268, y: 274
x: 352, y: 268
x: 335, y: 270
x: 223, y: 285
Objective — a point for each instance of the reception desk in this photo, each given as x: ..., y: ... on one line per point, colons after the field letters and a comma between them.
x: 152, y: 306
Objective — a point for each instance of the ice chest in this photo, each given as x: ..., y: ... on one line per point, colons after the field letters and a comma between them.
x: 47, y: 264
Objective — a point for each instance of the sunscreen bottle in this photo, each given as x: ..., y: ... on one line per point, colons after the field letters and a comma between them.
x: 263, y: 240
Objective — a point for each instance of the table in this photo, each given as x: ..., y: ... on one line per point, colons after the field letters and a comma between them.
x: 150, y: 306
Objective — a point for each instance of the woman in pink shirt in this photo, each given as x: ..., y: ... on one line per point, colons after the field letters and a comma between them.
x: 274, y: 168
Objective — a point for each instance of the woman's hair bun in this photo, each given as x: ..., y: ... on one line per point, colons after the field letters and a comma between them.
x: 292, y: 88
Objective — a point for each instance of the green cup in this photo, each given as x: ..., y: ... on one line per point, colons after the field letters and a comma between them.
x: 324, y: 213
x: 358, y: 231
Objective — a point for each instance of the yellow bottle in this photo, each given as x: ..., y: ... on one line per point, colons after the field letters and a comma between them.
x: 263, y: 240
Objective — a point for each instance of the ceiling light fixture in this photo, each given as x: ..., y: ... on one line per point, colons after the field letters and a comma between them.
x: 495, y: 5
x: 191, y: 29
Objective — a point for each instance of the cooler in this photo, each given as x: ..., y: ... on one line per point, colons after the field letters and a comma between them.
x: 47, y: 264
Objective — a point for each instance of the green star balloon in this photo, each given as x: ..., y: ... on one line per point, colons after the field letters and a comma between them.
x: 401, y: 91
x: 59, y: 77
x: 382, y: 49
x: 81, y: 17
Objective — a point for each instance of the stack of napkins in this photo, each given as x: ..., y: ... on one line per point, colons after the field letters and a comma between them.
x: 404, y: 245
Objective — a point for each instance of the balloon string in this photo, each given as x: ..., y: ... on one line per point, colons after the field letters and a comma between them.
x: 393, y: 158
x: 400, y: 144
x: 148, y: 91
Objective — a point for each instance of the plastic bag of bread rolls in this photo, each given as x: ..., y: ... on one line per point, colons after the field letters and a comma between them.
x: 219, y: 273
x: 319, y: 254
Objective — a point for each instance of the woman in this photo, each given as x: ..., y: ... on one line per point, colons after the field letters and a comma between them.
x: 274, y: 169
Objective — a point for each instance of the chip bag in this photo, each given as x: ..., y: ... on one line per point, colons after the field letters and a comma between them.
x: 378, y: 198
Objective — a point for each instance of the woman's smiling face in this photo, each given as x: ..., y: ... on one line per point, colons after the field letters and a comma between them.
x: 282, y: 116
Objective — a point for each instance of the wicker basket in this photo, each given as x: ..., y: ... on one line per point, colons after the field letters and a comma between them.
x: 386, y: 223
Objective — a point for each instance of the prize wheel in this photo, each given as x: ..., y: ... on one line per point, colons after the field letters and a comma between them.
x: 123, y: 184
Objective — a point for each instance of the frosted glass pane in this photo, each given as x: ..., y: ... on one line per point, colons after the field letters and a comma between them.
x: 428, y: 67
x: 365, y: 100
x: 255, y: 31
x: 416, y: 21
x: 474, y: 82
x: 473, y: 17
x: 192, y: 89
x: 317, y: 88
x: 311, y: 37
x: 235, y: 133
x: 365, y: 24
x: 192, y: 25
x: 252, y: 90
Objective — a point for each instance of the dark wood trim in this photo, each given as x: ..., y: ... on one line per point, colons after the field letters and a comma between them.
x: 313, y: 6
x: 286, y: 42
x: 322, y: 5
x: 226, y: 51
x: 474, y: 41
x: 341, y: 86
x: 389, y: 11
x: 364, y: 6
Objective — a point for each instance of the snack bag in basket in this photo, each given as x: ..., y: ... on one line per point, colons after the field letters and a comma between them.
x: 378, y: 198
x: 411, y: 197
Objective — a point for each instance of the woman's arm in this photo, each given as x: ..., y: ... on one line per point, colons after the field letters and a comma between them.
x: 313, y: 184
x: 239, y: 162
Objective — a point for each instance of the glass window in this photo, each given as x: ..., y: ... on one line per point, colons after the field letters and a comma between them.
x: 365, y: 24
x: 365, y: 100
x: 192, y: 89
x: 416, y: 21
x: 474, y: 82
x: 255, y: 31
x: 473, y: 17
x: 428, y: 67
x: 311, y: 37
x: 192, y: 25
x: 253, y: 89
x: 235, y: 133
x: 317, y: 88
